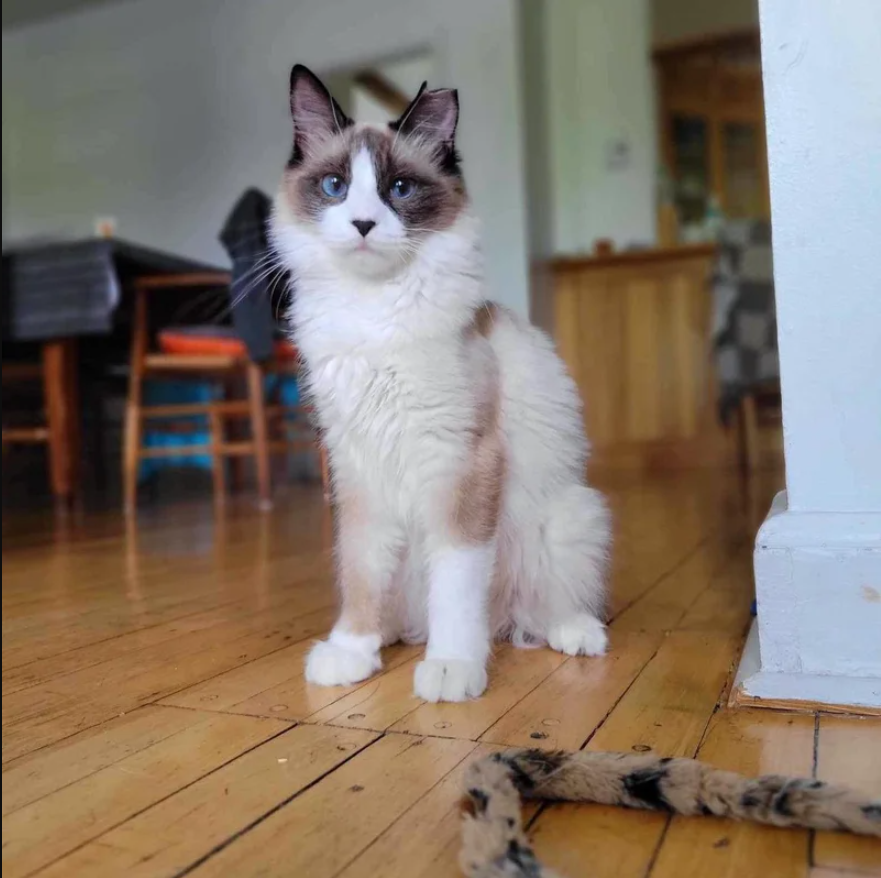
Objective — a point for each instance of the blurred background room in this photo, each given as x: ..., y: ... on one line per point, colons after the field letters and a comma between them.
x: 614, y: 151
x: 167, y: 512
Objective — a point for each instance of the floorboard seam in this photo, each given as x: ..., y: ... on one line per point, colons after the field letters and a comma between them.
x: 221, y: 846
x: 161, y: 800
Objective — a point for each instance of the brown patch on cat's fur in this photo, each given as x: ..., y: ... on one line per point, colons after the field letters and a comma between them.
x: 361, y: 598
x: 438, y: 198
x: 479, y: 493
x: 483, y: 320
x: 302, y: 182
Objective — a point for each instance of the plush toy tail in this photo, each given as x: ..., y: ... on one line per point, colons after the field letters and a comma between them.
x: 495, y: 846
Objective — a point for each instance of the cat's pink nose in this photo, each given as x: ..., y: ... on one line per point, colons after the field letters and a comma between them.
x: 363, y: 226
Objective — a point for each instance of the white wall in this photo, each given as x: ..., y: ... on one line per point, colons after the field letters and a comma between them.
x: 160, y: 112
x: 537, y: 117
x: 365, y: 108
x: 409, y: 73
x: 818, y: 554
x: 600, y: 89
x: 823, y: 92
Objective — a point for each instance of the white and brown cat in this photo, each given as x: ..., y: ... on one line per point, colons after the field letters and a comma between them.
x: 455, y: 434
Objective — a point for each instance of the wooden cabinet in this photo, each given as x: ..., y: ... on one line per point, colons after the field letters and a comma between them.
x: 712, y: 125
x: 634, y: 332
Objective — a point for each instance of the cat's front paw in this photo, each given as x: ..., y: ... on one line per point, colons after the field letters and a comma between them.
x: 581, y: 635
x: 329, y: 664
x: 449, y: 680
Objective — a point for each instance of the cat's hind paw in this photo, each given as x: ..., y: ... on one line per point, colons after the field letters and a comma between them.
x: 582, y: 635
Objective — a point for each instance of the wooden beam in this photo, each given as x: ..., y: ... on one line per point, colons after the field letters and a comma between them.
x: 378, y: 87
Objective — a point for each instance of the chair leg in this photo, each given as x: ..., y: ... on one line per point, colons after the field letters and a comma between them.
x: 749, y: 433
x: 131, y: 456
x: 325, y: 471
x: 62, y: 413
x: 233, y: 431
x: 259, y: 432
x: 218, y: 460
x: 134, y: 424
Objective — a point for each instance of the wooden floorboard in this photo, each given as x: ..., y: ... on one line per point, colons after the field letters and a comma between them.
x: 156, y: 721
x: 571, y: 702
x: 750, y: 742
x: 43, y: 831
x: 198, y: 819
x: 373, y: 790
x: 849, y: 752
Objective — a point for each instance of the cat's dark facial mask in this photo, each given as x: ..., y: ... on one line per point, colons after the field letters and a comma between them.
x: 371, y: 194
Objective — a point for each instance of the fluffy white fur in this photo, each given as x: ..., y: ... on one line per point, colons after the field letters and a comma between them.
x: 344, y: 659
x: 380, y: 326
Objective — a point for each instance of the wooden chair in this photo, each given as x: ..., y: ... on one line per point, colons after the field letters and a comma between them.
x: 760, y: 407
x: 223, y: 359
x: 57, y: 426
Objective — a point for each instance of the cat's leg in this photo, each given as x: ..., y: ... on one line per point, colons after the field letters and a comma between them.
x: 576, y: 539
x: 369, y: 548
x: 454, y: 668
x: 462, y: 558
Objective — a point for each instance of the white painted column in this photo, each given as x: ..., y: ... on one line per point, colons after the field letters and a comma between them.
x: 818, y: 554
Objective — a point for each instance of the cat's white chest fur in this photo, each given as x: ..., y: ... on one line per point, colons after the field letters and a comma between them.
x: 362, y: 408
x: 341, y: 384
x: 395, y: 420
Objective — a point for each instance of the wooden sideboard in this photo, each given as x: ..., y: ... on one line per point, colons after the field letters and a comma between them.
x: 634, y: 331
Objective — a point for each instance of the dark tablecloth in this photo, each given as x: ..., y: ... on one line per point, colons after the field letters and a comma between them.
x: 73, y: 289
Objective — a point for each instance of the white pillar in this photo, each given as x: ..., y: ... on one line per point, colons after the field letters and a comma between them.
x: 818, y: 554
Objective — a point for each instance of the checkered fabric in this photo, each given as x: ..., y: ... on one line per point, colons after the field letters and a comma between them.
x: 744, y: 315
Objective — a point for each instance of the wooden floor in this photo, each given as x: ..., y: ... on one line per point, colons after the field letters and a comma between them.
x: 156, y: 722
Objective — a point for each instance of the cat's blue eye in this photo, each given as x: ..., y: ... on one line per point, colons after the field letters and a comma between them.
x: 334, y: 186
x: 402, y: 188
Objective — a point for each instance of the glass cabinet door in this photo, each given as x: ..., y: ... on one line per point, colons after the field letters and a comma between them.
x: 744, y: 180
x: 691, y: 166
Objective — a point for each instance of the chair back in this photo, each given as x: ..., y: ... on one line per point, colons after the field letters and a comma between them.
x: 254, y: 280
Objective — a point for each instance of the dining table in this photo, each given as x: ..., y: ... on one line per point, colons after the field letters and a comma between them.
x: 59, y: 295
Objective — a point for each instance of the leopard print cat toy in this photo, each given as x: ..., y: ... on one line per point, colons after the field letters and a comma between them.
x: 495, y: 846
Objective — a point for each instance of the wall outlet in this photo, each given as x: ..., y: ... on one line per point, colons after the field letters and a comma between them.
x: 618, y: 154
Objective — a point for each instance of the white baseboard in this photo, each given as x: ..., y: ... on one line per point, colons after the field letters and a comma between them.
x: 818, y: 588
x: 757, y: 687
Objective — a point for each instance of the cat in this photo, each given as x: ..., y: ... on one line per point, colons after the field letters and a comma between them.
x: 455, y: 435
x: 458, y: 458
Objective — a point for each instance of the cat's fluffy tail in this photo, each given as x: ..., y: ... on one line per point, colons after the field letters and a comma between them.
x: 494, y: 845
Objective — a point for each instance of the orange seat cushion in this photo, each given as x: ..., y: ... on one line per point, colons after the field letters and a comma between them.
x: 214, y: 340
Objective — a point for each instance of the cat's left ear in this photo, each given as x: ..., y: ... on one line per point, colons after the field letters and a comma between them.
x: 315, y: 114
x: 431, y: 116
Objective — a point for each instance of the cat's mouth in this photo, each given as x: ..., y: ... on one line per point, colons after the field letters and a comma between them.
x: 374, y: 259
x: 365, y: 248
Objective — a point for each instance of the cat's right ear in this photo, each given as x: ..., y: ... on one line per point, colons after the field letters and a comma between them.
x: 315, y: 114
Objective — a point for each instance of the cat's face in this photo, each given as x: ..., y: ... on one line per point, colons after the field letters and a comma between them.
x: 367, y: 198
